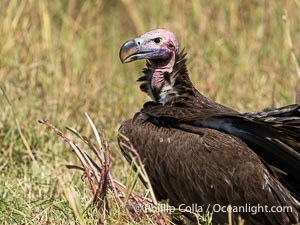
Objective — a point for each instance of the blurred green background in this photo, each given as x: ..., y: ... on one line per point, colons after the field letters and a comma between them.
x: 59, y: 59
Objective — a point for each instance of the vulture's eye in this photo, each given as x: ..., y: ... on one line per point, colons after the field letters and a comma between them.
x: 157, y: 40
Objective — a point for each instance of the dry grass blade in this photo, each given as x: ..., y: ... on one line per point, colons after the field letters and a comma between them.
x: 101, y: 180
x: 139, y: 165
x: 27, y: 145
x: 137, y: 162
x: 97, y: 137
x: 290, y: 43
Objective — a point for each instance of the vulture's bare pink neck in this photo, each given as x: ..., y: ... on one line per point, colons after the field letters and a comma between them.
x: 158, y: 72
x: 167, y: 82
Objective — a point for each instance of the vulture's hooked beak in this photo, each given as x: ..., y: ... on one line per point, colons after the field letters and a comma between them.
x: 132, y: 50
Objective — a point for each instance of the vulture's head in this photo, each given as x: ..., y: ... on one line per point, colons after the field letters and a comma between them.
x: 165, y: 75
x: 155, y: 45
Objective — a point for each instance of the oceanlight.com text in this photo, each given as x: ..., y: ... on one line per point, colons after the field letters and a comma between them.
x: 216, y: 208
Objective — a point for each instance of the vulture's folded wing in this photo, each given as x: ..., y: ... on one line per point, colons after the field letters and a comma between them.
x: 206, y: 168
x: 273, y: 134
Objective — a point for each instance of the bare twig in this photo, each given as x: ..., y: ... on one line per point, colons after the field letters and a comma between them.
x: 74, y: 147
x: 86, y: 141
x: 100, y: 178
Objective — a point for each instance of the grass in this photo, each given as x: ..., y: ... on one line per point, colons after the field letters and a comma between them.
x: 59, y: 59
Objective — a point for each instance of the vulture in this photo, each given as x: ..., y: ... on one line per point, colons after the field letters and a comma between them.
x: 200, y: 153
